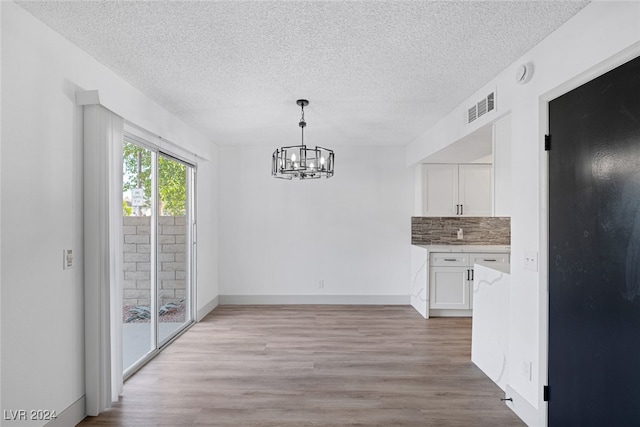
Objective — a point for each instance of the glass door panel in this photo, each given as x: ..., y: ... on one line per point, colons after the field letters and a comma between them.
x: 138, y: 237
x: 158, y: 219
x: 174, y: 260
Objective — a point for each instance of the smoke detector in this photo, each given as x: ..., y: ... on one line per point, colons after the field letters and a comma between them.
x: 524, y: 73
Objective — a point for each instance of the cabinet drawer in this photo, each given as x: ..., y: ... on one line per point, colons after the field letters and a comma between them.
x: 489, y: 257
x: 449, y: 259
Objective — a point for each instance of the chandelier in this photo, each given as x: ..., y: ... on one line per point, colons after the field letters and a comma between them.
x: 298, y: 161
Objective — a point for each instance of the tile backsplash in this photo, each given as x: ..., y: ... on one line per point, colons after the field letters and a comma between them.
x: 475, y: 230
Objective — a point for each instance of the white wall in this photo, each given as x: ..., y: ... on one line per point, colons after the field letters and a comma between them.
x: 501, y: 170
x: 280, y: 237
x: 207, y: 235
x: 41, y: 176
x: 600, y: 37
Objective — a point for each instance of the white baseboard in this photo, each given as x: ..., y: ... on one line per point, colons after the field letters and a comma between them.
x: 70, y: 416
x: 521, y: 407
x: 315, y: 299
x: 439, y: 312
x: 206, y: 309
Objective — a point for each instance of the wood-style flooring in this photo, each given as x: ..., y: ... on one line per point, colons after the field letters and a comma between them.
x: 313, y: 365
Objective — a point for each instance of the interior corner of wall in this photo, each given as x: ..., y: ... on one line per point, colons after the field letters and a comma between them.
x: 207, y: 308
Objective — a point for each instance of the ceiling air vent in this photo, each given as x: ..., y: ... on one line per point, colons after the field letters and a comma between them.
x: 482, y: 107
x: 473, y: 114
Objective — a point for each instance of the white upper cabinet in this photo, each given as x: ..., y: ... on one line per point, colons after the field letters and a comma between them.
x: 440, y: 187
x: 456, y: 190
x: 474, y: 189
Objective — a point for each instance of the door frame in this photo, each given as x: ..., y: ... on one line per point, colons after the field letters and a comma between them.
x: 598, y: 70
x: 145, y: 140
x: 190, y: 223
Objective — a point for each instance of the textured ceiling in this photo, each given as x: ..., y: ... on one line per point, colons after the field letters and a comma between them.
x: 376, y: 73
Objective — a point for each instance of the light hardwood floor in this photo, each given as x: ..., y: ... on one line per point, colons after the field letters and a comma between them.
x: 314, y: 366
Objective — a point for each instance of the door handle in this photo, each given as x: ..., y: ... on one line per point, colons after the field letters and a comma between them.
x: 457, y: 209
x: 467, y: 275
x: 461, y: 209
x: 490, y: 260
x: 450, y: 259
x: 472, y: 274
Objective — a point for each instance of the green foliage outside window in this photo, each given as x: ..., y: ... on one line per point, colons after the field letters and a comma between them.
x: 172, y: 180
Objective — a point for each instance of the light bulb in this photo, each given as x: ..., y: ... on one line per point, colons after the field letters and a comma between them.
x: 322, y: 160
x: 295, y: 164
x: 311, y: 165
x: 293, y: 157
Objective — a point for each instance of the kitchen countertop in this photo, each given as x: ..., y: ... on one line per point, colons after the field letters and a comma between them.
x: 466, y: 248
x: 502, y: 267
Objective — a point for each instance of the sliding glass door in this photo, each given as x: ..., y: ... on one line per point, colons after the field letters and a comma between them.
x: 173, y: 230
x: 158, y: 219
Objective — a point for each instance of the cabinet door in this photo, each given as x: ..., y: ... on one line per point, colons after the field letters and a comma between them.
x: 475, y: 190
x: 449, y: 288
x: 440, y: 186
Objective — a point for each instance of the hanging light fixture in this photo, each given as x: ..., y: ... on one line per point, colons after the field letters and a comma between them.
x: 298, y: 161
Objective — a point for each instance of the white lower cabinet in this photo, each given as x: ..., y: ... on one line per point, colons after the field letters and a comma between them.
x: 451, y: 280
x: 449, y: 288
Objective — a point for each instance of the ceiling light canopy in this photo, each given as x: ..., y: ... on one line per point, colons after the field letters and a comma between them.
x: 298, y: 161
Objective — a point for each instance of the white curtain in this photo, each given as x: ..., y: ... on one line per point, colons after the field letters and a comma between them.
x: 103, y: 136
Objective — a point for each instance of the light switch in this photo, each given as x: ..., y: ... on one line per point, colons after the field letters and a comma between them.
x: 67, y: 259
x: 531, y: 260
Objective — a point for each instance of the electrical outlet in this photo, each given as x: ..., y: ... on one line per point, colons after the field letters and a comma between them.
x: 67, y: 259
x: 531, y: 260
x: 460, y: 234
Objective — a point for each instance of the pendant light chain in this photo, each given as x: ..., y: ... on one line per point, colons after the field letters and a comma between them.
x: 302, y: 123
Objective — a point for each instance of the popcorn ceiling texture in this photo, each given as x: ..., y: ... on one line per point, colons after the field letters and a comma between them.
x: 476, y: 230
x: 376, y: 73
